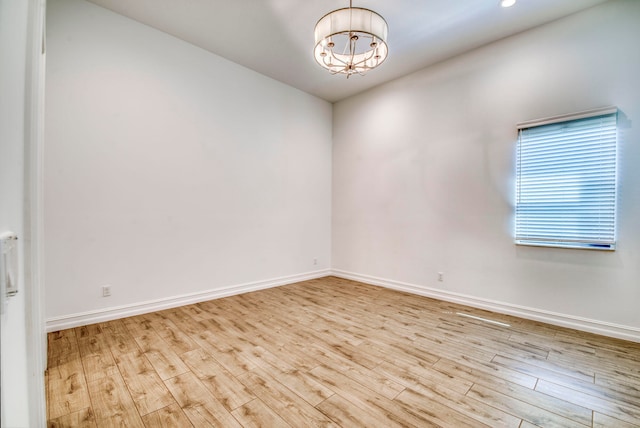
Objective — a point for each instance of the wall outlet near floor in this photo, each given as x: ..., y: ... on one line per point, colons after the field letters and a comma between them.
x: 315, y: 261
x: 440, y: 276
x: 106, y: 290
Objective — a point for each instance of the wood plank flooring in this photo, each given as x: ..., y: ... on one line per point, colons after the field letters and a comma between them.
x: 337, y: 353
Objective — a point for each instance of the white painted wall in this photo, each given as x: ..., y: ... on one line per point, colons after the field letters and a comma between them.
x: 170, y: 171
x: 423, y: 174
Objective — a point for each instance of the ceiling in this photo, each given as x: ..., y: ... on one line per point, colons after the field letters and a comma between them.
x: 275, y: 37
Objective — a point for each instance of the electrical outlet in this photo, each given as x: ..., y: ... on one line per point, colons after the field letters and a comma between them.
x: 106, y: 290
x: 315, y: 261
x: 440, y: 276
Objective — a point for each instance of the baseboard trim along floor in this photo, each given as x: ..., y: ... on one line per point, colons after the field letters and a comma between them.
x: 117, y: 312
x: 563, y: 320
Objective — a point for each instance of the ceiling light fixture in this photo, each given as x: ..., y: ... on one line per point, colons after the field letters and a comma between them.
x: 507, y: 3
x: 351, y: 40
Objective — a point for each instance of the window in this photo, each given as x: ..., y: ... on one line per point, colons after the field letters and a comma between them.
x: 566, y: 181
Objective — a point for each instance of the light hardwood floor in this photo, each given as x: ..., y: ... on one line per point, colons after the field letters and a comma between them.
x: 333, y: 352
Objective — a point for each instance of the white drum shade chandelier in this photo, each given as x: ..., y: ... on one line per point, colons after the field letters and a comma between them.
x: 351, y: 40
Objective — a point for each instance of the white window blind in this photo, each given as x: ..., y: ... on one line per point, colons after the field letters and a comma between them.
x: 566, y: 181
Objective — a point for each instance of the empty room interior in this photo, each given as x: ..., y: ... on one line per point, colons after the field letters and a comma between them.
x: 215, y: 215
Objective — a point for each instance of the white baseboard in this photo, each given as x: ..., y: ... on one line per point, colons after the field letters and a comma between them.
x: 108, y: 314
x: 563, y: 320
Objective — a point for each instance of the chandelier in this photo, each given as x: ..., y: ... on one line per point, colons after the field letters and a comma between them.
x: 351, y: 40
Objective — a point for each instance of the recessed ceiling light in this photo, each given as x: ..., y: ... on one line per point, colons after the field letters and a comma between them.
x: 507, y: 3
